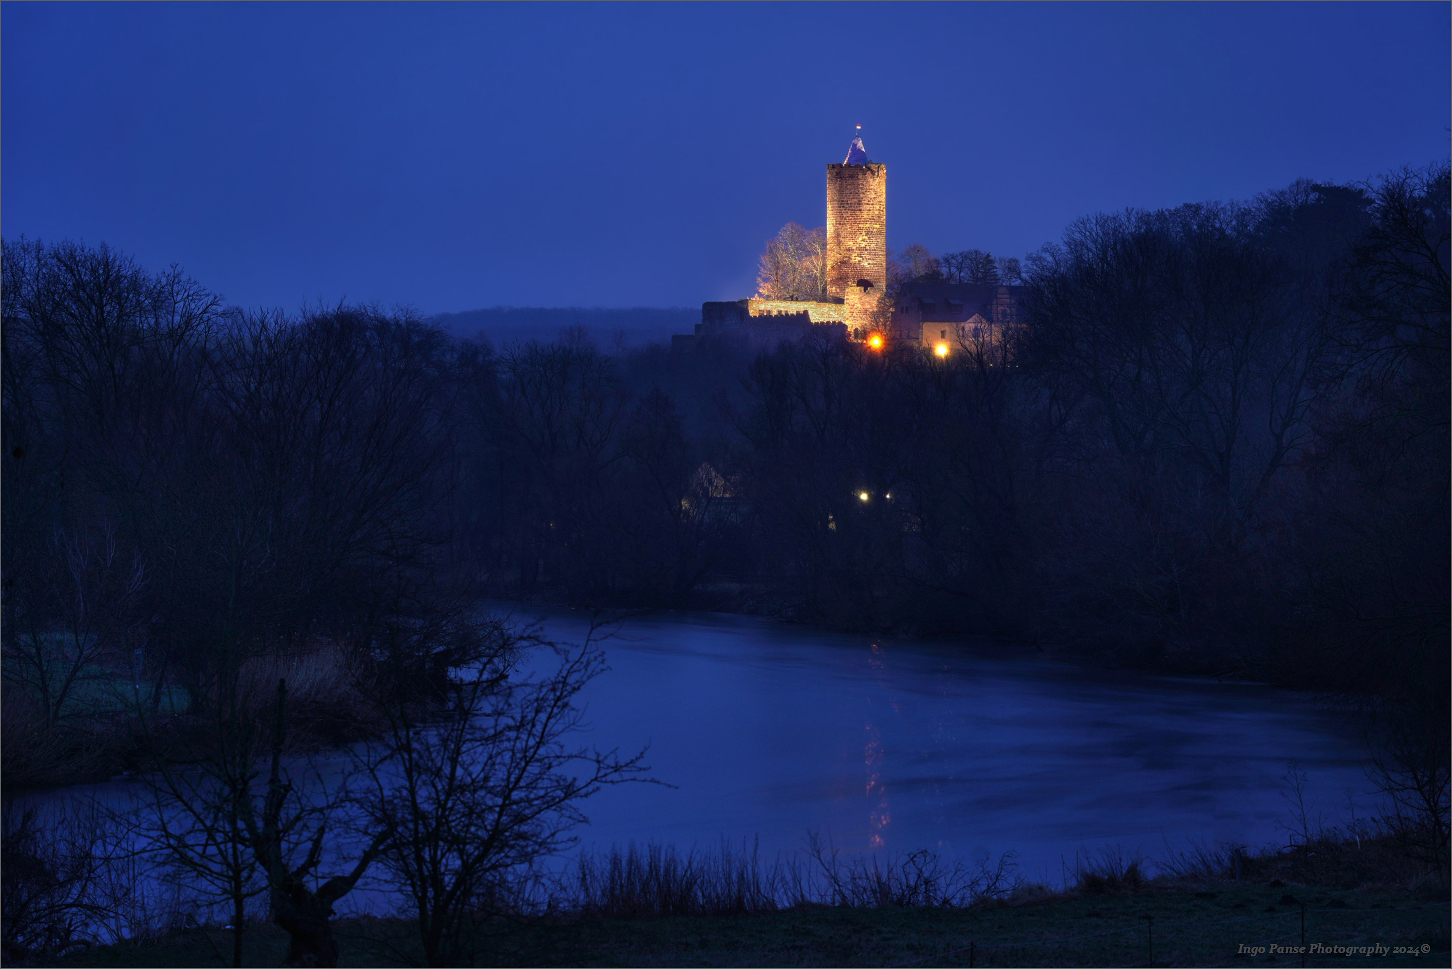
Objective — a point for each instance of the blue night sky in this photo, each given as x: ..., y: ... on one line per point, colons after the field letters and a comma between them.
x: 454, y: 156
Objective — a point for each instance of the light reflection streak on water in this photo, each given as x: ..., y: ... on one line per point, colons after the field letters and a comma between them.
x: 879, y: 815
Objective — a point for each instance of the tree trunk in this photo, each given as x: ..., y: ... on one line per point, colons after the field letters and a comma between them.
x: 306, y: 920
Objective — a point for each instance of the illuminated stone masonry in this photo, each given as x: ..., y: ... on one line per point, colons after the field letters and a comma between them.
x: 856, y: 228
x: 832, y: 311
x: 857, y: 236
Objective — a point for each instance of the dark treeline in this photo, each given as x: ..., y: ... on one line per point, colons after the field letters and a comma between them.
x: 187, y: 488
x: 1219, y: 444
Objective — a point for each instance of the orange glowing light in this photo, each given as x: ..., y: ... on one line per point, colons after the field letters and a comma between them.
x: 941, y: 349
x: 862, y: 495
x: 874, y: 340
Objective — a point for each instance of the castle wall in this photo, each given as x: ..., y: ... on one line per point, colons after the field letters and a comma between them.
x: 723, y: 313
x: 856, y: 228
x: 862, y: 307
x: 767, y: 322
x: 834, y: 312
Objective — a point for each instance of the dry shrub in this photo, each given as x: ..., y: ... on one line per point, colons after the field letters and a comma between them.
x: 1411, y: 767
x: 40, y: 754
x: 659, y: 880
x: 920, y: 879
x: 1029, y: 893
x: 52, y: 876
x: 1109, y: 871
x: 71, y: 877
x: 1341, y: 859
x: 31, y: 748
x: 1202, y: 861
x: 324, y: 700
x: 1359, y: 855
x: 318, y: 673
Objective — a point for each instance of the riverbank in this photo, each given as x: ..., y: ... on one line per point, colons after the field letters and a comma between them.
x: 1174, y: 922
x: 112, y: 724
x: 97, y: 736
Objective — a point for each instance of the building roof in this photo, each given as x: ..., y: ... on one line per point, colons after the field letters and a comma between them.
x: 856, y: 153
x: 932, y: 301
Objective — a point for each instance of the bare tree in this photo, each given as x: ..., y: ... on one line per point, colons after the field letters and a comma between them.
x: 1184, y: 330
x: 1411, y: 766
x: 675, y: 524
x: 300, y: 906
x: 980, y: 267
x: 234, y: 834
x: 479, y: 793
x: 1010, y: 270
x: 57, y: 882
x: 952, y: 265
x: 104, y: 377
x: 71, y: 627
x: 1394, y: 320
x: 555, y: 427
x: 917, y: 262
x: 970, y: 266
x: 193, y: 824
x: 794, y: 265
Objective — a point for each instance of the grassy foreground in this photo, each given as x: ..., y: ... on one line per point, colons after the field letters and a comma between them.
x: 1193, y: 925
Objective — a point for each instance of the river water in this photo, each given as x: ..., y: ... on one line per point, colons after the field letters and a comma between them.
x: 765, y: 732
x: 967, y: 748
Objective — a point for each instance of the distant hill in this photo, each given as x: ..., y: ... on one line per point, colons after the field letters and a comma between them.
x: 632, y: 326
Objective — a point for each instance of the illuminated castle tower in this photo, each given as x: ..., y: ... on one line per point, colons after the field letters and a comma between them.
x: 856, y: 269
x: 857, y: 234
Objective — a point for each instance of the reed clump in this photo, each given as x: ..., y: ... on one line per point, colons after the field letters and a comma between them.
x: 1366, y: 855
x: 326, y: 701
x: 661, y: 880
x: 1109, y: 871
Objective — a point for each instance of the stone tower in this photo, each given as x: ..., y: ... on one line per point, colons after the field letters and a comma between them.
x: 857, y: 234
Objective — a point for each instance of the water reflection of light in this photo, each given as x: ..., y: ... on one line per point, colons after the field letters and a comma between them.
x: 877, y: 667
x: 878, y: 814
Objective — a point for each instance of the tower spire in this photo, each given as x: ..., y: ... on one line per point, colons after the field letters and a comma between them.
x: 856, y: 152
